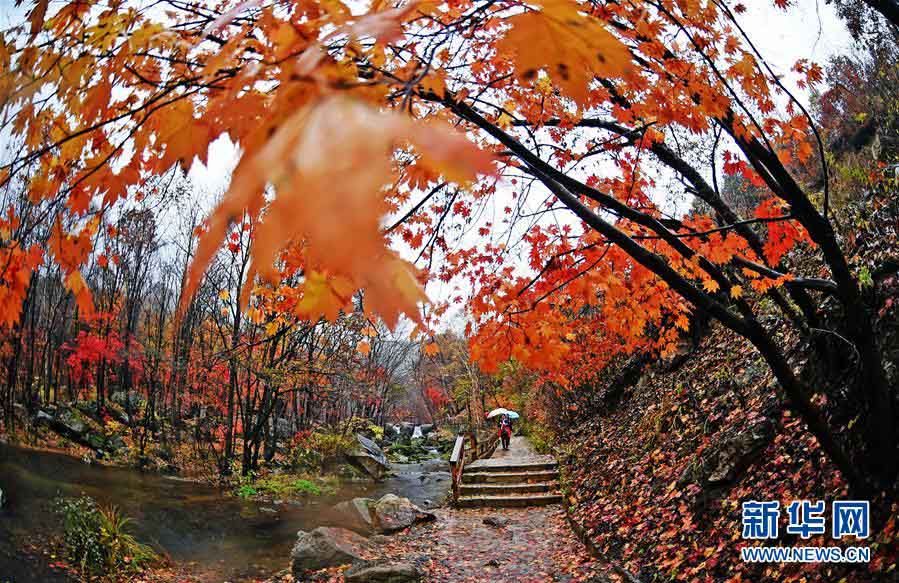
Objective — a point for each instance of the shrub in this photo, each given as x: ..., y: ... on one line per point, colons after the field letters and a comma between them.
x: 281, y: 485
x: 306, y: 487
x: 97, y: 539
x: 364, y: 426
x: 246, y: 491
x: 319, y: 448
x: 541, y: 437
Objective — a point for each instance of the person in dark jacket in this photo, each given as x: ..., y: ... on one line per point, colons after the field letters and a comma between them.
x: 505, y: 430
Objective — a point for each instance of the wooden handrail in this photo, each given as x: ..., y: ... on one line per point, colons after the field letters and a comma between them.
x: 457, y: 464
x: 469, y: 447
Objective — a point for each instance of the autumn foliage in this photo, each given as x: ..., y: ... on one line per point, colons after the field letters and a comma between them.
x: 531, y: 160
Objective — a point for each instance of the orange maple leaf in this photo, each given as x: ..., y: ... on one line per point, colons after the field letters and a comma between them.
x: 569, y: 46
x: 329, y: 163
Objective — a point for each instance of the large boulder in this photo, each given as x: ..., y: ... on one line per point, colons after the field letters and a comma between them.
x: 383, y: 572
x: 368, y: 457
x: 43, y: 417
x: 356, y: 514
x: 392, y: 513
x: 389, y: 514
x: 71, y: 420
x: 325, y: 547
x: 118, y: 414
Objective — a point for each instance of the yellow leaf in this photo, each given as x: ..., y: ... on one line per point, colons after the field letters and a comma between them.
x: 736, y: 291
x: 224, y: 295
x: 255, y: 315
x: 324, y: 296
x: 569, y: 46
x: 711, y: 285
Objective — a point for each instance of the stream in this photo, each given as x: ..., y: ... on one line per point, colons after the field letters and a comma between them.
x: 219, y: 537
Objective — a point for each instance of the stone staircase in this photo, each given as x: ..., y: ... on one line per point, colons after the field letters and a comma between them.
x: 510, y: 482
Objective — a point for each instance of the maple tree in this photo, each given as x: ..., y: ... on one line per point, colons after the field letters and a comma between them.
x: 564, y: 114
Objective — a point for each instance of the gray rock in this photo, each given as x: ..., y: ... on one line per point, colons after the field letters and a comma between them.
x: 118, y: 414
x: 356, y: 514
x: 427, y: 428
x: 497, y: 521
x: 392, y: 513
x: 383, y: 572
x: 371, y: 448
x: 325, y: 547
x: 43, y: 417
x: 369, y: 458
x: 72, y: 421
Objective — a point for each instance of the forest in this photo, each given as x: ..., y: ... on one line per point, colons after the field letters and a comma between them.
x: 281, y: 265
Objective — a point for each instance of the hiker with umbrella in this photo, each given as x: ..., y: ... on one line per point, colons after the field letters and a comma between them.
x: 505, y: 424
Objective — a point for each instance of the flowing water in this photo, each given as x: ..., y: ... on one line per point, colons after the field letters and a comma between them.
x: 220, y: 537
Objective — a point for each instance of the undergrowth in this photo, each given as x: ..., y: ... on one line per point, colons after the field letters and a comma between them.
x: 98, y: 542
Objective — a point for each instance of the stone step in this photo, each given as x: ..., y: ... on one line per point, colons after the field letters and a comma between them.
x: 508, y: 501
x: 509, y: 477
x: 502, y: 467
x: 505, y: 489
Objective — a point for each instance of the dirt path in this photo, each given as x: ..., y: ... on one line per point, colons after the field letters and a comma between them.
x: 527, y: 545
x: 531, y: 545
x: 520, y: 448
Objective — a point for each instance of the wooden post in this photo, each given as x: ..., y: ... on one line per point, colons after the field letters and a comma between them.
x: 457, y: 464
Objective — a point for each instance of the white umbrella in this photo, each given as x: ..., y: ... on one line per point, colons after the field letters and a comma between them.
x: 502, y: 411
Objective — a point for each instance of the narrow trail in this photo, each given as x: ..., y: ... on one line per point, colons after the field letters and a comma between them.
x: 529, y: 545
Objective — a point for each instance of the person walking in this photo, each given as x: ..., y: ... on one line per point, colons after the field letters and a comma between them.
x: 505, y: 431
